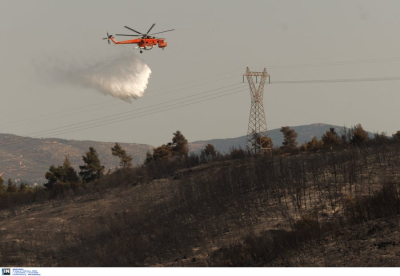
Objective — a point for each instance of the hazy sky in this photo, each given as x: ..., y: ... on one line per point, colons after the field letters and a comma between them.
x: 213, y: 43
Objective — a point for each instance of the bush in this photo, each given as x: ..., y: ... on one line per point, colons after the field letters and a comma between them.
x: 237, y: 153
x: 383, y: 203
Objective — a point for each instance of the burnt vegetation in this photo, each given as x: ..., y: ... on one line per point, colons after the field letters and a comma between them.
x: 211, y: 209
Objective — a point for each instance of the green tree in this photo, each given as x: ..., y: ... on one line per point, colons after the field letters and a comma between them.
x: 179, y: 144
x: 59, y: 176
x: 330, y: 139
x: 11, y: 187
x: 70, y: 175
x: 178, y: 147
x: 210, y: 151
x: 289, y: 138
x: 163, y: 152
x: 303, y: 147
x: 314, y: 144
x: 54, y: 176
x: 125, y: 160
x: 359, y: 135
x: 92, y: 168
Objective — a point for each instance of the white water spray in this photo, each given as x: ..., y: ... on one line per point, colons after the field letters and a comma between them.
x: 124, y: 77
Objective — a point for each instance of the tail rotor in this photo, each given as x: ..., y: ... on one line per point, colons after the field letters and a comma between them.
x: 108, y: 38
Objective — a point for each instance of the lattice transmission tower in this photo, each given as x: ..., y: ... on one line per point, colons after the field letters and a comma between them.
x: 258, y: 141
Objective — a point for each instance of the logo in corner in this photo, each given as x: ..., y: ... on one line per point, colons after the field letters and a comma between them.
x: 5, y: 271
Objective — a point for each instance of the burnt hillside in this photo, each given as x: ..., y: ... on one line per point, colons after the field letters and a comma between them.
x: 236, y: 210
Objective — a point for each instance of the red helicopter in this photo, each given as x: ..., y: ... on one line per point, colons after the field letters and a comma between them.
x: 146, y: 42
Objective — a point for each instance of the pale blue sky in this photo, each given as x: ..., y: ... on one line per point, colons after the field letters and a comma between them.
x: 211, y: 38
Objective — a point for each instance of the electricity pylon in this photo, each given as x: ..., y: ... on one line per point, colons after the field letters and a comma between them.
x: 257, y: 140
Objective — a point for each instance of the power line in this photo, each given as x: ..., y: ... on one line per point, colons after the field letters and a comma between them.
x: 37, y: 119
x: 133, y: 111
x: 275, y: 82
x: 334, y: 63
x: 157, y: 110
x: 124, y: 114
x: 72, y: 126
x: 349, y: 62
x: 183, y: 88
x: 49, y: 114
x: 197, y: 80
x: 119, y: 103
x: 337, y: 80
x: 124, y: 118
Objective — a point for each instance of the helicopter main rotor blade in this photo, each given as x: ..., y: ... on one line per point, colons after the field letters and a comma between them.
x: 132, y: 30
x: 150, y: 29
x: 127, y: 35
x: 163, y: 32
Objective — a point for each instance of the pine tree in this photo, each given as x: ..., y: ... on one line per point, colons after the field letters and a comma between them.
x: 59, y: 176
x: 163, y: 152
x: 54, y: 175
x: 330, y: 139
x: 178, y: 147
x: 210, y: 151
x: 359, y: 135
x: 314, y: 144
x: 92, y: 168
x: 70, y: 175
x: 289, y: 138
x: 125, y: 160
x: 11, y: 187
x: 179, y: 144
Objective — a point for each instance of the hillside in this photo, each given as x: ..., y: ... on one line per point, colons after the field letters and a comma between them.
x: 304, y: 132
x: 330, y: 208
x: 29, y: 161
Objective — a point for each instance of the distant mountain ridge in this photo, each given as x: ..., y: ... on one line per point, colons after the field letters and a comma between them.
x: 305, y: 133
x: 30, y: 160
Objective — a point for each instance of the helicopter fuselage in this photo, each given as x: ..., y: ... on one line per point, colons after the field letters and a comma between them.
x: 144, y: 43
